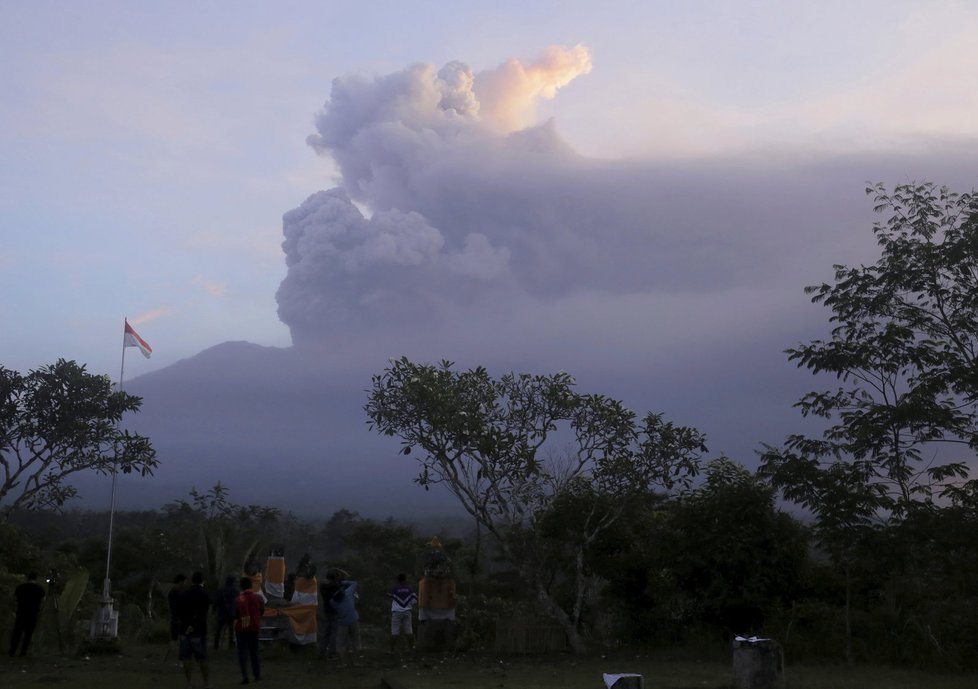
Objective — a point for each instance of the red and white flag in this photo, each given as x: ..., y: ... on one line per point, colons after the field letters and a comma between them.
x: 132, y: 339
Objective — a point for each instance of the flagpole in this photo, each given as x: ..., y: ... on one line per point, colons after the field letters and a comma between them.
x: 105, y: 626
x: 106, y: 585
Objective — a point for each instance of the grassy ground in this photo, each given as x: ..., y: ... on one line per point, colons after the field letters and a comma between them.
x: 149, y: 667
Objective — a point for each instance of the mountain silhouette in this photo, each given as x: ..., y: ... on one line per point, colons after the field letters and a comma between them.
x: 276, y: 428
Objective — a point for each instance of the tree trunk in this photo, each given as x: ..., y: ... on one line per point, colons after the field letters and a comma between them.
x: 581, y: 585
x: 848, y: 616
x: 558, y: 615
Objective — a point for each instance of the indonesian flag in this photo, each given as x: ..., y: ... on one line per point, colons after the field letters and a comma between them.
x: 132, y: 339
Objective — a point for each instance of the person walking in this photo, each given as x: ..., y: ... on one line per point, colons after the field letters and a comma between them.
x: 193, y: 605
x: 247, y: 625
x: 403, y: 599
x: 30, y: 596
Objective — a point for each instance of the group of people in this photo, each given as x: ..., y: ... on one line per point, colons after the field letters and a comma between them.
x: 340, y: 631
x: 189, y: 607
x: 239, y: 609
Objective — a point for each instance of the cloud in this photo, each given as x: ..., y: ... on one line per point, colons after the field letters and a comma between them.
x: 212, y: 287
x: 393, y: 265
x: 508, y: 94
x: 151, y: 315
x: 924, y: 97
x: 472, y: 234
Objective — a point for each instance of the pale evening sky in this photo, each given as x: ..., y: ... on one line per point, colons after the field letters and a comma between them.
x: 148, y: 153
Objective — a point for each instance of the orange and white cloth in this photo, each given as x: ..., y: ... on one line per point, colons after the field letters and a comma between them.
x: 436, y: 599
x: 301, y: 622
x: 306, y: 591
x: 275, y: 576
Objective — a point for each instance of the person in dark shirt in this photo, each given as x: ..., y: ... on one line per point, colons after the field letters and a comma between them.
x: 172, y: 597
x: 327, y: 638
x: 30, y: 596
x: 193, y: 605
x: 225, y: 608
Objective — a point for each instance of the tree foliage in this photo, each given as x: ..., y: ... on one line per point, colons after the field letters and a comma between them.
x: 231, y: 534
x: 59, y: 420
x: 496, y: 445
x: 721, y: 558
x: 903, y: 343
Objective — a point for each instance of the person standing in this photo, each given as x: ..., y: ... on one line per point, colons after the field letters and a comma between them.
x: 403, y: 599
x: 173, y: 602
x: 224, y: 607
x: 247, y: 624
x: 327, y: 638
x: 30, y: 596
x: 194, y: 604
x: 344, y: 602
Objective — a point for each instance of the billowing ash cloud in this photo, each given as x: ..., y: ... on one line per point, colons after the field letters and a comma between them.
x: 342, y: 265
x: 509, y: 93
x: 480, y: 222
x: 451, y: 188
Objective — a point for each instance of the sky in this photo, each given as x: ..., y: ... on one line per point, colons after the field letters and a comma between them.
x: 608, y: 188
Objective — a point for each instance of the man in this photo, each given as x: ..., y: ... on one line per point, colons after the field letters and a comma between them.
x: 193, y: 606
x: 172, y: 598
x: 247, y: 624
x: 344, y: 602
x: 327, y: 631
x: 30, y: 596
x: 224, y: 606
x: 403, y: 599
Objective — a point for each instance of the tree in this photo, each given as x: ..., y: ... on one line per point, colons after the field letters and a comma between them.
x: 736, y: 556
x: 719, y: 557
x: 231, y: 534
x: 918, y: 577
x: 905, y: 341
x: 904, y: 344
x: 491, y: 443
x: 59, y: 420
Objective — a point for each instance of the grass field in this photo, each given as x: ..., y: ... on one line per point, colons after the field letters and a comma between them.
x: 149, y: 666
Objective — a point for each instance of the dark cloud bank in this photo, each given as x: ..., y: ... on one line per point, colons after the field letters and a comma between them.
x: 673, y: 285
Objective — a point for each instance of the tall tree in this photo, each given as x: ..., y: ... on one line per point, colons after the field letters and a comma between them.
x: 903, y: 344
x: 491, y: 443
x: 59, y: 420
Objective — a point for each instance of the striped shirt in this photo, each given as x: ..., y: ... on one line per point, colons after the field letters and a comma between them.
x: 403, y: 598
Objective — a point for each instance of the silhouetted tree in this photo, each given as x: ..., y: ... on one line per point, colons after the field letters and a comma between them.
x: 904, y: 343
x: 59, y: 420
x: 722, y: 557
x: 486, y: 440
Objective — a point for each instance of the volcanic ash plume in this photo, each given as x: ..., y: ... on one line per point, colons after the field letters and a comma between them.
x: 345, y: 268
x: 415, y: 148
x: 467, y: 223
x: 508, y: 94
